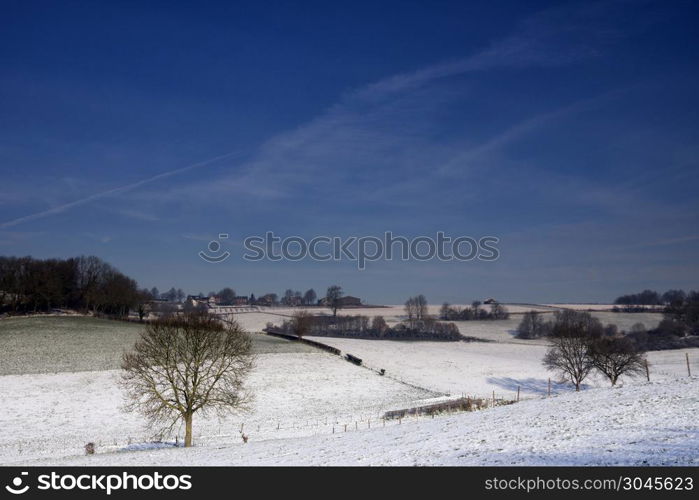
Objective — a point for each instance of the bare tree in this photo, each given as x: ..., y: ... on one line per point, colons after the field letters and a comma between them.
x: 572, y: 334
x: 301, y: 323
x: 532, y: 326
x: 498, y: 311
x: 332, y: 297
x: 616, y: 356
x: 416, y: 309
x: 287, y: 298
x: 171, y: 295
x: 227, y: 296
x: 569, y: 357
x: 421, y: 307
x: 309, y: 298
x: 379, y: 325
x: 411, y: 311
x: 183, y: 365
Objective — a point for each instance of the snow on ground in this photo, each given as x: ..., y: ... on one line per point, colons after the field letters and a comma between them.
x: 256, y: 321
x: 303, y: 392
x: 472, y: 368
x: 505, y: 330
x: 478, y: 368
x: 593, y: 307
x: 583, y: 307
x: 54, y: 415
x: 624, y: 321
x: 648, y: 424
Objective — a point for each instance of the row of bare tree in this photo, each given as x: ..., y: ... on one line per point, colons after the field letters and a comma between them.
x: 580, y: 344
x: 357, y: 326
x: 475, y: 312
x: 81, y: 283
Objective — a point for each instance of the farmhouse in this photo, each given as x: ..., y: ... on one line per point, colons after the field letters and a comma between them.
x: 267, y: 300
x: 197, y: 300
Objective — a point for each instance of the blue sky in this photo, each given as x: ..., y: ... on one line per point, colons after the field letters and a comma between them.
x: 568, y: 130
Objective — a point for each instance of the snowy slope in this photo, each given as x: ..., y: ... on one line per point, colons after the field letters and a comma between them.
x: 295, y: 394
x: 651, y: 423
x: 478, y: 368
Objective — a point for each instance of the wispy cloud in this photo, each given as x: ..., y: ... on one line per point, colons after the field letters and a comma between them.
x: 388, y: 127
x: 554, y: 37
x: 114, y: 191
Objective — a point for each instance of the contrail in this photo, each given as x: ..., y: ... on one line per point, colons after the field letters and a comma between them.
x: 109, y: 192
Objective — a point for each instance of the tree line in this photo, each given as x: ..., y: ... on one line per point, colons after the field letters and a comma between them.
x: 359, y: 326
x: 80, y: 283
x: 678, y: 329
x: 652, y: 298
x: 475, y: 312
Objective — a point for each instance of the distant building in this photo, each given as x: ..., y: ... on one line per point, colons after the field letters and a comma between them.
x: 158, y: 301
x: 490, y: 300
x: 197, y: 301
x: 265, y: 300
x: 294, y: 300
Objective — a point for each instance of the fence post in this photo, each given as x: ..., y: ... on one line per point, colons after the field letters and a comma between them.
x: 518, y: 394
x: 493, y: 398
x: 647, y: 371
x: 549, y: 386
x: 689, y: 370
x: 345, y: 427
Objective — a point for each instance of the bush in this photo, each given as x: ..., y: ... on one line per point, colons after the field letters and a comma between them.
x: 532, y: 326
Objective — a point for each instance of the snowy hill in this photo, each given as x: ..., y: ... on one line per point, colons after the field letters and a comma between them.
x: 650, y: 423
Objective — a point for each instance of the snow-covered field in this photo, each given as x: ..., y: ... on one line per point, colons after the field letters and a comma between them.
x: 478, y: 368
x: 648, y: 424
x: 55, y: 415
x: 58, y: 391
x: 256, y: 321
